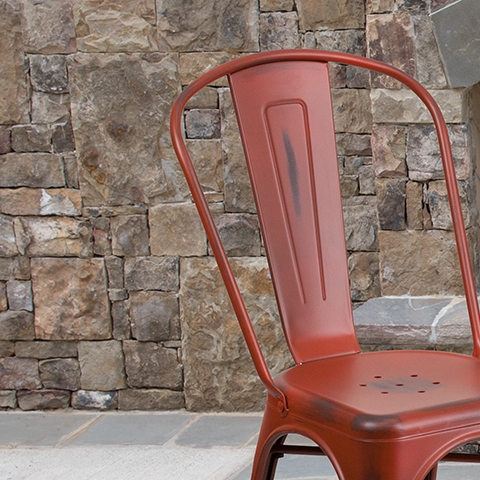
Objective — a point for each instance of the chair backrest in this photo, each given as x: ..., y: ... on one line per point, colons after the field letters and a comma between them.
x: 283, y: 104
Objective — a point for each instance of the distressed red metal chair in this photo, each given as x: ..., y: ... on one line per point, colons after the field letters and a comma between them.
x: 390, y: 415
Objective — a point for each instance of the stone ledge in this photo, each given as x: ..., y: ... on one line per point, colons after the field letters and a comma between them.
x: 429, y: 322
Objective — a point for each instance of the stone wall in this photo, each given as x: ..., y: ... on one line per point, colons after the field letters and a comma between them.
x: 109, y: 297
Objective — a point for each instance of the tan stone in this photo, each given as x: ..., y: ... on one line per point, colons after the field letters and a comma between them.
x: 28, y: 201
x: 8, y: 399
x: 151, y: 273
x: 414, y: 205
x: 389, y: 150
x: 176, y: 230
x: 19, y: 373
x: 279, y: 31
x: 361, y: 227
x: 391, y: 203
x: 347, y: 41
x: 403, y: 106
x: 352, y: 110
x: 333, y: 14
x: 353, y: 144
x: 211, y: 26
x: 219, y: 374
x: 419, y: 263
x: 50, y: 236
x: 126, y: 26
x: 380, y: 6
x: 50, y: 108
x: 207, y: 159
x: 206, y: 98
x: 238, y: 192
x: 276, y: 5
x: 62, y: 373
x: 35, y: 170
x: 390, y: 40
x: 48, y: 26
x: 364, y: 275
x: 150, y: 399
x: 44, y: 350
x: 14, y: 106
x: 8, y: 246
x: 101, y: 364
x: 129, y: 235
x: 32, y: 138
x: 43, y: 399
x: 120, y: 103
x: 16, y: 325
x: 79, y: 310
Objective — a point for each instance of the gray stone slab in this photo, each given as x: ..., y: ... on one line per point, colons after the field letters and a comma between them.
x: 457, y: 29
x: 134, y: 429
x: 220, y: 430
x: 457, y: 471
x: 37, y: 429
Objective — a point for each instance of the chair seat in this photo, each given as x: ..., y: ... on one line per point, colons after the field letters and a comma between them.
x: 384, y: 395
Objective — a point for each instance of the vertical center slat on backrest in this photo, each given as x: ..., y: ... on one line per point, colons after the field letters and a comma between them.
x: 286, y: 122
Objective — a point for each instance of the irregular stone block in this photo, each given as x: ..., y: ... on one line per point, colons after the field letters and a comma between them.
x: 391, y: 203
x: 50, y: 108
x: 238, y: 192
x: 115, y: 271
x: 405, y: 268
x: 452, y: 331
x: 19, y: 295
x: 414, y: 204
x: 7, y: 349
x: 129, y: 235
x: 207, y: 159
x: 438, y: 4
x: 276, y: 5
x: 240, y: 234
x: 16, y: 325
x: 366, y: 180
x: 389, y: 150
x: 43, y: 399
x: 117, y: 294
x: 279, y: 31
x: 423, y: 152
x: 352, y: 110
x: 380, y: 6
x: 14, y: 106
x: 353, y: 144
x: 32, y: 138
x: 121, y: 321
x: 210, y: 26
x: 152, y: 273
x: 8, y: 399
x: 101, y: 364
x: 150, y: 399
x: 8, y: 247
x: 21, y: 268
x: 56, y: 237
x: 48, y: 73
x: 206, y: 98
x: 27, y: 201
x: 48, y: 27
x: 6, y: 264
x: 70, y: 170
x: 101, y: 236
x: 437, y: 199
x: 3, y: 297
x: 363, y: 269
x: 118, y: 165
x: 204, y: 123
x: 155, y: 316
x: 403, y: 106
x: 43, y: 350
x: 219, y: 374
x: 62, y: 138
x: 390, y: 40
x: 5, y: 140
x: 361, y: 227
x: 176, y: 230
x: 35, y: 170
x: 84, y: 399
x: 115, y: 27
x: 349, y: 185
x: 60, y: 373
x: 79, y: 310
x: 332, y: 14
x: 19, y: 373
x: 347, y: 41
x: 150, y: 365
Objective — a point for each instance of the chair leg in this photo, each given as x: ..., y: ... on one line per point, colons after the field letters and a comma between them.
x: 432, y: 475
x: 265, y: 462
x: 273, y: 460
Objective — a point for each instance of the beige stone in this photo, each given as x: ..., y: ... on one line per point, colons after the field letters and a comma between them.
x: 53, y: 236
x: 44, y: 350
x: 364, y: 275
x: 35, y: 170
x: 79, y: 310
x: 14, y: 106
x: 150, y: 399
x: 16, y: 325
x: 414, y: 205
x: 279, y: 31
x: 19, y: 373
x: 389, y: 150
x: 48, y: 26
x: 152, y: 273
x: 276, y: 5
x: 419, y: 263
x: 380, y: 6
x: 43, y: 399
x: 333, y: 14
x: 361, y: 227
x: 102, y: 366
x: 62, y: 373
x: 126, y: 26
x: 50, y: 108
x: 219, y: 374
x: 391, y: 203
x: 352, y: 110
x: 212, y: 25
x: 403, y: 106
x: 120, y: 104
x: 8, y: 399
x: 129, y: 235
x: 207, y: 159
x: 347, y: 41
x: 29, y: 201
x: 176, y: 230
x: 8, y: 246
